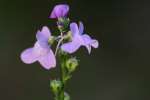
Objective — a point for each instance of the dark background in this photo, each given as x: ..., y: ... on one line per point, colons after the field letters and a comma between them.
x: 118, y: 70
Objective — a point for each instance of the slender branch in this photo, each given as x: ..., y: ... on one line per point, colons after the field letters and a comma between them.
x: 57, y: 47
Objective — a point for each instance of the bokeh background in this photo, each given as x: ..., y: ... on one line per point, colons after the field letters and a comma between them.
x: 118, y: 70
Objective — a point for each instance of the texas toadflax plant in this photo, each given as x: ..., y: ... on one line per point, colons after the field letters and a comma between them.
x: 70, y: 39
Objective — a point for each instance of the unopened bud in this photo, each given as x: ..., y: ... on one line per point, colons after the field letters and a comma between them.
x: 55, y: 85
x: 71, y: 64
x: 63, y: 24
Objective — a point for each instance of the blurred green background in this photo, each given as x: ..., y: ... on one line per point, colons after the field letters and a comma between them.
x: 118, y: 70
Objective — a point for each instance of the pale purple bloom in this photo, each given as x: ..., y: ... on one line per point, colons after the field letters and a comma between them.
x: 41, y: 51
x: 79, y: 39
x: 59, y: 11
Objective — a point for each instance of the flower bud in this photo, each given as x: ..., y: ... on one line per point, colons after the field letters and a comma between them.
x: 56, y: 86
x: 63, y: 21
x: 63, y: 24
x: 71, y: 64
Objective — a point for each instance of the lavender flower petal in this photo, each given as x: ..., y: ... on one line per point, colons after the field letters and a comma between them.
x: 88, y: 42
x: 81, y: 28
x: 43, y: 36
x: 39, y: 50
x: 95, y: 43
x: 59, y: 11
x: 87, y: 39
x: 28, y: 56
x: 71, y: 47
x: 74, y: 29
x: 48, y: 61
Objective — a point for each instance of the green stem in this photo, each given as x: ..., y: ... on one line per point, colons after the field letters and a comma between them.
x: 62, y: 77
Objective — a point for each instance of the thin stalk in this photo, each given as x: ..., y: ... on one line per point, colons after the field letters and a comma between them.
x: 62, y: 69
x: 62, y: 77
x: 57, y: 47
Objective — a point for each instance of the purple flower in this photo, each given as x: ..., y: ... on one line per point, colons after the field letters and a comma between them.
x: 79, y: 39
x: 59, y: 11
x: 41, y: 51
